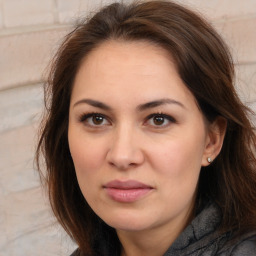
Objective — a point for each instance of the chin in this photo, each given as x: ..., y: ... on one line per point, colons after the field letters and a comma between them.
x: 128, y: 226
x: 128, y: 221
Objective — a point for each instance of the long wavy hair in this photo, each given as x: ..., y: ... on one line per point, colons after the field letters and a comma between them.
x: 204, y: 64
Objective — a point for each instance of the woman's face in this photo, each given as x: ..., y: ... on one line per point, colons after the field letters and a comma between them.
x: 136, y: 136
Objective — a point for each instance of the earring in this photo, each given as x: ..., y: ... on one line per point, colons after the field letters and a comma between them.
x: 209, y: 160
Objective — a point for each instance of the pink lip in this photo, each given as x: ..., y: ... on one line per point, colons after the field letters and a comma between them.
x: 126, y: 191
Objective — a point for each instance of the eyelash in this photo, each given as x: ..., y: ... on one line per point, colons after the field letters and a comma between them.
x: 167, y: 117
x: 84, y: 119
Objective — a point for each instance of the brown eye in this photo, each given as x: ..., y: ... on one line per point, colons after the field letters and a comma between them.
x: 97, y: 120
x: 94, y: 120
x: 158, y: 120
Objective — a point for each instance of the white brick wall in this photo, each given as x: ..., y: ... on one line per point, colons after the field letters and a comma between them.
x: 1, y: 15
x: 25, y: 55
x: 241, y: 36
x: 222, y: 9
x: 67, y: 10
x: 28, y: 12
x: 30, y: 31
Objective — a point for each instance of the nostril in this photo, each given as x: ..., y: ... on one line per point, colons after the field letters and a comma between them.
x: 124, y: 162
x: 121, y: 166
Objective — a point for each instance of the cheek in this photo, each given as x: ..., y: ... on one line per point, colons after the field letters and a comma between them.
x: 178, y: 166
x: 87, y: 153
x: 178, y: 161
x: 88, y: 156
x: 176, y: 157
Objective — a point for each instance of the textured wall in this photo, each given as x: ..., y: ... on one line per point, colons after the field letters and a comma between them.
x: 30, y: 31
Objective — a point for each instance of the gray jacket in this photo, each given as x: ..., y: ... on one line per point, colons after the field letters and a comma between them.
x: 200, y: 238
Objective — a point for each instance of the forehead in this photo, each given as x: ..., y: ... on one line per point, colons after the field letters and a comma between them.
x: 133, y: 56
x: 130, y: 69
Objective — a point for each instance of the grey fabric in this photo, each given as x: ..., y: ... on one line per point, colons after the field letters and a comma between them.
x: 200, y: 238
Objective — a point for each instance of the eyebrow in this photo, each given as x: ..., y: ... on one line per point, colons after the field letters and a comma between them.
x: 93, y: 103
x: 141, y: 107
x: 160, y: 102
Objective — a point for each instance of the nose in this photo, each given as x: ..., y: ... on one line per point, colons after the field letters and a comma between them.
x: 125, y: 150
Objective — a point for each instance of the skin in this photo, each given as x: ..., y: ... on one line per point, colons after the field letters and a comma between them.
x: 125, y: 143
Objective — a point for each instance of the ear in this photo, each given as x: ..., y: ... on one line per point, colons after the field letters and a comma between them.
x: 214, y: 140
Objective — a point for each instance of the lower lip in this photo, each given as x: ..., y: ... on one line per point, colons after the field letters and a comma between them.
x: 127, y: 195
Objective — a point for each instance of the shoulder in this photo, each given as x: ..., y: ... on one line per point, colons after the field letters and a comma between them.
x: 244, y: 246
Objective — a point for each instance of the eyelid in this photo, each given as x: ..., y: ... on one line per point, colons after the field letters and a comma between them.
x: 166, y: 116
x: 85, y: 116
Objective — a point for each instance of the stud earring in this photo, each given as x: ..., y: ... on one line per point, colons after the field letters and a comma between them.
x: 209, y: 160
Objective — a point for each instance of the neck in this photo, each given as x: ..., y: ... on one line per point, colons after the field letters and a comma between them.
x: 134, y: 245
x: 153, y: 242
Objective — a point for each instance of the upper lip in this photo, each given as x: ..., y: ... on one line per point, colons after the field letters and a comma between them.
x: 129, y: 184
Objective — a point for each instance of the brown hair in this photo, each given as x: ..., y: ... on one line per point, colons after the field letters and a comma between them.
x: 205, y: 66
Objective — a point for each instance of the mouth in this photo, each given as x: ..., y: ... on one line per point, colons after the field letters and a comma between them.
x: 127, y: 191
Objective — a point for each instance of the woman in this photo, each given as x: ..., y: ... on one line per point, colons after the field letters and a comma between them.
x: 148, y: 149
